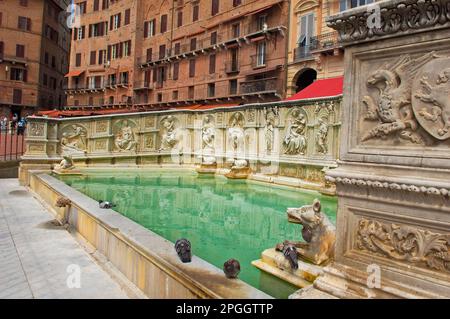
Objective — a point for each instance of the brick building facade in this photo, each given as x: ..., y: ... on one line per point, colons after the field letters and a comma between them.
x: 34, y: 48
x: 157, y: 54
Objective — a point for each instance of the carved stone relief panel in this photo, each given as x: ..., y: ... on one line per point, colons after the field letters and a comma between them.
x: 405, y: 102
x: 101, y: 145
x: 149, y: 142
x: 36, y: 129
x: 101, y: 127
x: 150, y: 122
x: 125, y: 135
x: 410, y: 244
x: 295, y: 140
x: 169, y: 133
x: 74, y: 138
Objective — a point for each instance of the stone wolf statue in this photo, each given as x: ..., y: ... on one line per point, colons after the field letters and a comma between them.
x: 318, y: 232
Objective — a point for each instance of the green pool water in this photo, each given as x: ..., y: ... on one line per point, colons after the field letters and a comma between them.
x: 222, y: 218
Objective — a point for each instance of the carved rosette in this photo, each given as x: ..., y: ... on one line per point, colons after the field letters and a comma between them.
x: 420, y: 247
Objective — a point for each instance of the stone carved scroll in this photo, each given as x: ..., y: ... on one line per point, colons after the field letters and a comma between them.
x: 405, y: 243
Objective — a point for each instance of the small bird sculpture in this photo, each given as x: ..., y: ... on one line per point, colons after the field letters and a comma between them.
x: 183, y: 249
x: 105, y: 204
x: 232, y: 268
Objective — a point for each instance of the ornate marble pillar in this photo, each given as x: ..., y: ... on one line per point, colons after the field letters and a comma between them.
x: 393, y: 179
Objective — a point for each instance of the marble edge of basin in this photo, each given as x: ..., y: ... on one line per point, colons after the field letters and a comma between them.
x: 155, y: 247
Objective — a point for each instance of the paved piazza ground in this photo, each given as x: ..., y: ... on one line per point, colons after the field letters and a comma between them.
x: 36, y: 255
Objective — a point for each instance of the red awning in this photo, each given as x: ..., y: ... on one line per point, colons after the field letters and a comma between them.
x: 262, y: 9
x: 74, y: 73
x: 320, y: 88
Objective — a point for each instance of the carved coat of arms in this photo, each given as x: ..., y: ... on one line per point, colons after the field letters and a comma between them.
x: 412, y: 93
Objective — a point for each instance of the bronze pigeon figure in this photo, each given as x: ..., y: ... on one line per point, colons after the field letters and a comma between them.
x: 183, y: 249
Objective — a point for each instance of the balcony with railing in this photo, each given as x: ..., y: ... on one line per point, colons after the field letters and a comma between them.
x: 143, y: 85
x: 327, y: 42
x: 247, y: 31
x: 260, y: 86
x: 113, y: 83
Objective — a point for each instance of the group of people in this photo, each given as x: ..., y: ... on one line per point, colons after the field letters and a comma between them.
x: 13, y: 125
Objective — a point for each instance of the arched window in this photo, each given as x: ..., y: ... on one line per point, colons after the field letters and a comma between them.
x: 304, y: 78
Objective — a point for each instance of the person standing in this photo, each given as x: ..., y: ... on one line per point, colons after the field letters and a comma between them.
x: 21, y: 126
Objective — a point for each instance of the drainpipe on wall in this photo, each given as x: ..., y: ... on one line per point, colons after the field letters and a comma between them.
x: 288, y: 35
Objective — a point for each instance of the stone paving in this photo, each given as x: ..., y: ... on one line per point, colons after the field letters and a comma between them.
x: 35, y: 253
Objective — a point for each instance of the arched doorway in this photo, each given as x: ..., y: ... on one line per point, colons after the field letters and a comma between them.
x: 304, y: 78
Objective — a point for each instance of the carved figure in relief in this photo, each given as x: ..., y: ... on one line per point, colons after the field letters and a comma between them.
x: 125, y: 139
x: 236, y: 131
x: 295, y: 140
x: 66, y: 163
x: 169, y: 136
x: 270, y: 116
x: 392, y: 108
x: 322, y: 136
x: 74, y: 139
x: 208, y: 134
x: 318, y: 232
x: 437, y: 96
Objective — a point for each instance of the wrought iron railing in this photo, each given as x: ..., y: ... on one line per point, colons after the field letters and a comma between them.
x: 12, y: 143
x: 259, y: 86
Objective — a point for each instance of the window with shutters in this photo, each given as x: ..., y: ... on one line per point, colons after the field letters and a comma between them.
x: 211, y: 89
x: 191, y: 92
x: 193, y: 45
x: 24, y: 23
x: 175, y: 95
x: 261, y: 54
x: 96, y: 5
x: 162, y: 51
x: 2, y: 49
x: 93, y: 57
x: 149, y: 28
x: 212, y: 64
x: 347, y: 4
x: 149, y: 54
x: 127, y: 17
x: 78, y: 59
x: 115, y: 21
x: 213, y: 37
x: 214, y: 7
x: 177, y: 48
x: 233, y: 86
x: 163, y: 23
x: 306, y: 30
x: 80, y: 33
x: 18, y: 74
x: 179, y: 18
x: 17, y: 96
x: 192, y: 68
x: 20, y: 51
x: 176, y: 71
x: 102, y: 57
x: 236, y: 30
x: 195, y: 13
x: 23, y: 3
x: 237, y: 3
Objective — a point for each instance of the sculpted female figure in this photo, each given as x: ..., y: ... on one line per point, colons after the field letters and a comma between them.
x: 295, y: 141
